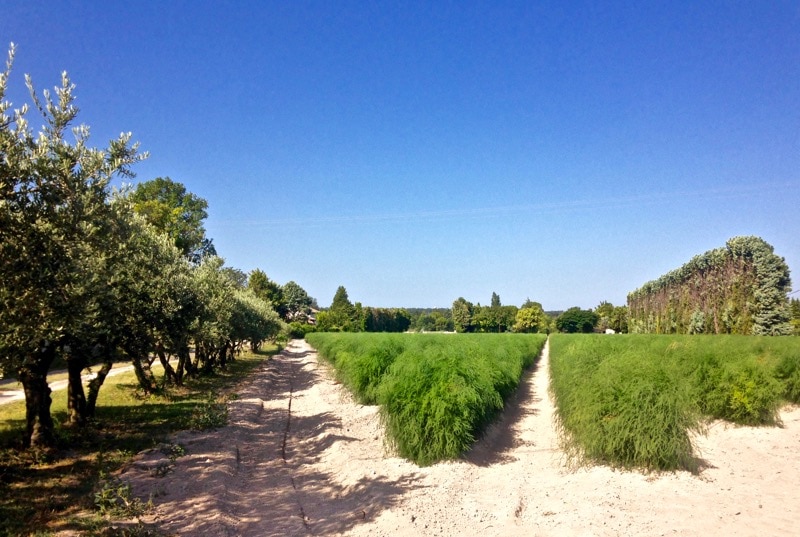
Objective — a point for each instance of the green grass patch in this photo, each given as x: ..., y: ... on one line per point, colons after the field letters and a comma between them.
x: 57, y: 490
x: 437, y: 392
x: 634, y: 400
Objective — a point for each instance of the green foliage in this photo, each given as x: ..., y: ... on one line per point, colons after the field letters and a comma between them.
x: 576, y: 320
x: 268, y: 290
x: 297, y: 302
x: 738, y: 289
x: 431, y: 319
x: 341, y: 302
x: 210, y: 414
x: 253, y: 319
x: 360, y: 360
x: 787, y: 370
x: 634, y: 400
x: 611, y: 317
x: 496, y: 318
x: 794, y: 307
x: 114, y: 498
x: 739, y: 379
x: 617, y: 408
x: 55, y: 228
x: 531, y: 320
x: 462, y: 315
x: 386, y: 319
x: 297, y: 330
x: 342, y: 316
x: 437, y: 393
x: 176, y: 212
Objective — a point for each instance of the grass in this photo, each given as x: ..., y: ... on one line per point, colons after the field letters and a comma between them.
x: 437, y: 392
x: 46, y: 491
x: 635, y: 400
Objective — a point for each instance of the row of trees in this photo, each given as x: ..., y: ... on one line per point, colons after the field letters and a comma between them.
x: 93, y: 276
x: 531, y: 318
x: 738, y: 289
x: 344, y: 316
x: 464, y: 316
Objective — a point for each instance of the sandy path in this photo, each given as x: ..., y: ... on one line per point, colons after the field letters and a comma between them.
x: 301, y: 458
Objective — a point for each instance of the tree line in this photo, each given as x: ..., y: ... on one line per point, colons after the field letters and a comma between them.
x: 93, y: 276
x: 465, y: 317
x: 740, y: 288
x: 532, y: 318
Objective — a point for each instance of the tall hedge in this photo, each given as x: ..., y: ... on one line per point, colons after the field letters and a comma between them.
x: 738, y: 289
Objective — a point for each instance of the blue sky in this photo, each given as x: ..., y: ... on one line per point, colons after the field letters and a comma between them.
x: 418, y: 152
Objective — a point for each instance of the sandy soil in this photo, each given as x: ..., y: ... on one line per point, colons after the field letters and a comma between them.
x: 299, y: 457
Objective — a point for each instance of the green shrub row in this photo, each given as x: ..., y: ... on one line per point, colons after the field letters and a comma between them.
x: 634, y: 400
x: 437, y: 392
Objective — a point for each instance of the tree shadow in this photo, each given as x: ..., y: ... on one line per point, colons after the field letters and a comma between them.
x: 259, y: 475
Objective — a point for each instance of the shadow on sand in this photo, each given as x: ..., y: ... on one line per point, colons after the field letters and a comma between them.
x: 258, y: 475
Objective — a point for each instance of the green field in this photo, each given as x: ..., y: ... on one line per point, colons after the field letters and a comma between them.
x: 437, y: 392
x: 634, y: 400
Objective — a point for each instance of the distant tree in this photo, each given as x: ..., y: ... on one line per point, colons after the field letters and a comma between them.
x: 507, y: 316
x: 736, y: 289
x: 342, y: 316
x: 794, y: 307
x: 530, y: 320
x: 604, y: 312
x: 442, y: 320
x: 425, y: 322
x: 484, y: 319
x: 619, y: 320
x: 531, y: 304
x: 238, y: 277
x: 253, y: 321
x: 495, y: 303
x: 169, y: 207
x: 462, y: 315
x: 341, y: 302
x: 432, y: 320
x: 268, y: 290
x: 386, y: 320
x: 296, y: 300
x: 577, y: 320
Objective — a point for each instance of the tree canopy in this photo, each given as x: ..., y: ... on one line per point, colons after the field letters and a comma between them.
x: 85, y: 277
x: 173, y: 210
x: 740, y: 288
x: 54, y: 224
x: 576, y: 320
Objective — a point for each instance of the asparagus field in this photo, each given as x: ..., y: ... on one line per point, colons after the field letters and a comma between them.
x: 634, y: 400
x: 436, y: 392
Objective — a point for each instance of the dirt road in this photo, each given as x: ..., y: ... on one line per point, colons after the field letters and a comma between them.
x: 299, y: 457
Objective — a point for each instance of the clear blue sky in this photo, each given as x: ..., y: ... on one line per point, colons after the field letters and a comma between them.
x: 415, y: 153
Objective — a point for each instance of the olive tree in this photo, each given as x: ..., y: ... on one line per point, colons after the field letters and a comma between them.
x: 53, y: 211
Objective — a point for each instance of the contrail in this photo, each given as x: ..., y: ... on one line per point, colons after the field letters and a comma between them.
x: 541, y: 208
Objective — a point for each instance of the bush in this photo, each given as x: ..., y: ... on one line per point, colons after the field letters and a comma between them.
x: 437, y: 392
x: 615, y: 408
x: 633, y: 400
x: 297, y: 330
x: 787, y: 371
